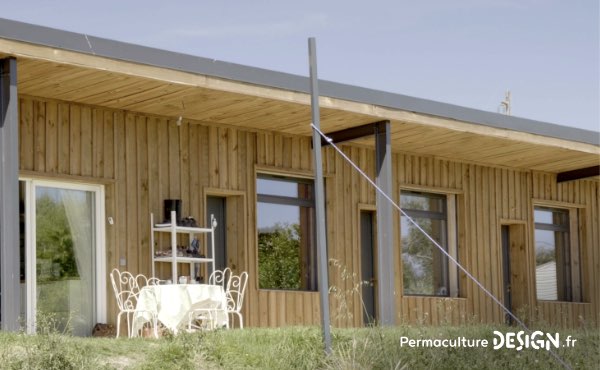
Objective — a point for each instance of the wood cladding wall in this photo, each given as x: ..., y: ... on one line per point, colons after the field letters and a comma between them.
x: 144, y: 159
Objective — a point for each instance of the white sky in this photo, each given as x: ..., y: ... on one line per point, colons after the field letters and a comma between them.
x: 465, y: 52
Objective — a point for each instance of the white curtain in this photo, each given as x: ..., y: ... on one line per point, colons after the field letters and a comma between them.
x: 79, y: 207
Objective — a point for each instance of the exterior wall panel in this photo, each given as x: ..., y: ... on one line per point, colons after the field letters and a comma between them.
x: 145, y: 159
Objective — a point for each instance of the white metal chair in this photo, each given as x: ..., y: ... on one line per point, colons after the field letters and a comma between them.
x: 220, y: 277
x: 236, y: 287
x: 142, y: 281
x: 127, y: 287
x: 204, y: 318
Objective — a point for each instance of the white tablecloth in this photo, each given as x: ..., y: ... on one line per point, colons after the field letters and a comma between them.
x: 172, y: 304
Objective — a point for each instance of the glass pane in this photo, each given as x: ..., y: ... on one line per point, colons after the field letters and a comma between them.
x: 422, y: 202
x: 425, y: 267
x: 551, y: 216
x: 542, y: 216
x: 279, y: 259
x: 64, y: 260
x: 545, y: 265
x: 277, y: 187
x: 560, y: 218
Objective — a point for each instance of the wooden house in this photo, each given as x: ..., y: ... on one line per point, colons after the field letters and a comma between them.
x: 109, y: 130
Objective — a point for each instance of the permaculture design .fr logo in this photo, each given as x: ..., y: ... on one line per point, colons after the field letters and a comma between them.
x: 535, y: 340
x: 509, y: 340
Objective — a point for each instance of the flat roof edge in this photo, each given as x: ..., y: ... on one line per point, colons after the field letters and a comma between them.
x: 34, y: 34
x: 459, y: 113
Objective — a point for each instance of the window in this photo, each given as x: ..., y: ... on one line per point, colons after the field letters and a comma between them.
x: 62, y: 241
x: 426, y: 270
x: 557, y: 273
x: 286, y: 238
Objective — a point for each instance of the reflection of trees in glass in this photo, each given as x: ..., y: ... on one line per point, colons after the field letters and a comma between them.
x: 55, y: 254
x: 425, y: 267
x: 279, y: 257
x: 417, y: 258
x: 544, y: 252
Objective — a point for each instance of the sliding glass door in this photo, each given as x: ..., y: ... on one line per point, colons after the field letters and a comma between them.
x: 64, y: 253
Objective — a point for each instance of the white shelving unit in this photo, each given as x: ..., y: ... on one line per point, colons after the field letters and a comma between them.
x: 174, y: 230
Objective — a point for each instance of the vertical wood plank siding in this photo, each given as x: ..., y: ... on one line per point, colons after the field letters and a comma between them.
x: 145, y: 159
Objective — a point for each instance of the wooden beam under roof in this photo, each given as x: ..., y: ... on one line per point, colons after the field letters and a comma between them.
x: 352, y: 133
x: 580, y: 173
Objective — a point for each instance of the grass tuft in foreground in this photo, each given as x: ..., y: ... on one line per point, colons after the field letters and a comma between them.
x: 290, y: 348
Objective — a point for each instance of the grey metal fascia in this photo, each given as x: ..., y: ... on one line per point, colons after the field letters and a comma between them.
x: 459, y: 113
x: 102, y: 47
x: 34, y: 34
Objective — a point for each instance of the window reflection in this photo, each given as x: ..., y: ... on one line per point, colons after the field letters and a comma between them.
x: 425, y: 267
x: 285, y: 223
x: 277, y: 187
x: 555, y: 268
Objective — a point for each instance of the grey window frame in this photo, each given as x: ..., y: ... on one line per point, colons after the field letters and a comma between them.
x: 572, y: 291
x: 293, y: 201
x: 449, y: 241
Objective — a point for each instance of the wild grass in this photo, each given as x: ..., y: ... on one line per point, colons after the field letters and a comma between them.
x: 296, y: 347
x: 289, y: 348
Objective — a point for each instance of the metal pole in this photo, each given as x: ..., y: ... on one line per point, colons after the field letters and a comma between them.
x: 319, y: 197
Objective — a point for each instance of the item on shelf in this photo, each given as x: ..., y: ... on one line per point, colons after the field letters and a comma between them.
x: 172, y: 205
x: 185, y: 222
x: 194, y: 247
x: 188, y: 222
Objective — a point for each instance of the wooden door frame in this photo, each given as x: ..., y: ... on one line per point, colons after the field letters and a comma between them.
x: 522, y: 302
x: 228, y: 194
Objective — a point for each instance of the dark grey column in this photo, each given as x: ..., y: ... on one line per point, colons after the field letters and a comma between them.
x: 9, y: 197
x: 385, y: 233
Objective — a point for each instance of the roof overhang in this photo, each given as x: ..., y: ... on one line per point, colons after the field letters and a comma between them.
x: 121, y: 76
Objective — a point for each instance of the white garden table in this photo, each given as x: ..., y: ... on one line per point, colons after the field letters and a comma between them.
x: 172, y: 304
